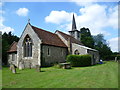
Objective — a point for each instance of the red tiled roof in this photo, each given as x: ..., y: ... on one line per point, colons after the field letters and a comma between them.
x: 13, y: 47
x: 67, y: 37
x: 48, y: 37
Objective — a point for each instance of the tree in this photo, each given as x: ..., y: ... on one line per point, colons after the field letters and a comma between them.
x: 86, y: 37
x: 7, y: 40
x: 102, y: 46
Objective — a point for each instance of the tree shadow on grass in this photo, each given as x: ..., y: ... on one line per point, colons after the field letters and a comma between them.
x: 92, y: 65
x: 97, y: 64
x: 42, y: 71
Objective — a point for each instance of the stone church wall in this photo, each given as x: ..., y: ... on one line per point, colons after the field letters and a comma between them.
x: 81, y: 50
x: 29, y: 62
x: 12, y: 57
x: 52, y: 54
x: 95, y: 56
x: 85, y: 50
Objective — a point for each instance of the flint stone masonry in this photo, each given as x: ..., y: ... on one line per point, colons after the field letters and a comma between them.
x: 81, y: 50
x: 12, y: 58
x: 56, y: 54
x: 95, y: 56
x: 85, y: 50
x: 35, y: 59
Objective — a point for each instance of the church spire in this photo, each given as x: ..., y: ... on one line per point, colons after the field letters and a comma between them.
x: 74, y: 24
x: 74, y: 32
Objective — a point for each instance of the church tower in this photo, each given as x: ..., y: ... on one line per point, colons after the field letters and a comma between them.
x: 74, y: 32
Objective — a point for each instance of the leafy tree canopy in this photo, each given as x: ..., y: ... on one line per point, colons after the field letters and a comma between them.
x: 97, y: 42
x: 7, y: 40
x: 86, y: 37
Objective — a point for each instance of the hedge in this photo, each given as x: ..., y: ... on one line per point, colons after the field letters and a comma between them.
x: 79, y: 60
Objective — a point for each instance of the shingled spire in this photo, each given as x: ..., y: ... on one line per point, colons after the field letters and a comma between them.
x: 74, y: 24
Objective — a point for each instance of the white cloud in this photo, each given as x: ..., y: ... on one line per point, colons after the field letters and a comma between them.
x: 78, y: 1
x: 1, y: 3
x: 93, y: 16
x: 114, y: 44
x: 58, y: 17
x: 2, y: 12
x: 4, y: 28
x: 83, y: 2
x: 22, y: 12
x: 113, y: 17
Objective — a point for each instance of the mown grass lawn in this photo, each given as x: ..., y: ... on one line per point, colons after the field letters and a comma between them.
x: 0, y: 79
x: 97, y: 76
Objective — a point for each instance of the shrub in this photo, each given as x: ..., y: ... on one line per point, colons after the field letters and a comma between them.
x: 79, y: 60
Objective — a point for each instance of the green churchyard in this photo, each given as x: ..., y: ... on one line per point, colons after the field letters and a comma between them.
x: 96, y: 76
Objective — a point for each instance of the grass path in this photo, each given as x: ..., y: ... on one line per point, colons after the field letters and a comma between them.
x: 98, y: 76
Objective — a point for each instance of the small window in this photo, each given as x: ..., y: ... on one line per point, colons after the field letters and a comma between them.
x: 13, y: 57
x: 78, y: 34
x: 62, y: 52
x: 87, y: 51
x: 48, y: 51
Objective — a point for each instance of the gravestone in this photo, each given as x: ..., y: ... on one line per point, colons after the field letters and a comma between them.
x: 38, y: 69
x: 13, y: 68
x: 10, y: 67
x: 65, y: 65
x: 21, y: 66
x: 115, y: 59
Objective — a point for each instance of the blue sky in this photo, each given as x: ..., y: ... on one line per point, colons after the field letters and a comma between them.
x: 99, y: 17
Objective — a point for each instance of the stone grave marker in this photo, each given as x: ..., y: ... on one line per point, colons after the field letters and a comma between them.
x: 21, y: 66
x: 13, y: 68
x: 38, y: 68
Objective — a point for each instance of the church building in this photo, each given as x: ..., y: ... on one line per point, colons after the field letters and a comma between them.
x: 40, y: 47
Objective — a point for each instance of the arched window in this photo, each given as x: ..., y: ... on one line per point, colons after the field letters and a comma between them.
x: 27, y: 44
x: 76, y: 52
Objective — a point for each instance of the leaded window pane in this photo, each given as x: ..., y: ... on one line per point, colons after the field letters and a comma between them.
x: 27, y: 47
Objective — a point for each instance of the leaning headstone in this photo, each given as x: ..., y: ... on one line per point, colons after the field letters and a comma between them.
x: 10, y: 67
x: 21, y: 66
x: 13, y: 68
x: 38, y: 68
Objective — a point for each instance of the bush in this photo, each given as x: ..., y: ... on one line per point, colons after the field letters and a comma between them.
x: 79, y: 60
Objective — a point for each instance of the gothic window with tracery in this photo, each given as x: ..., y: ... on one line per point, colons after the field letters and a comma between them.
x: 27, y: 46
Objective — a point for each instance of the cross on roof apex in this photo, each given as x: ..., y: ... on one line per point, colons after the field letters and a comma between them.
x: 28, y: 20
